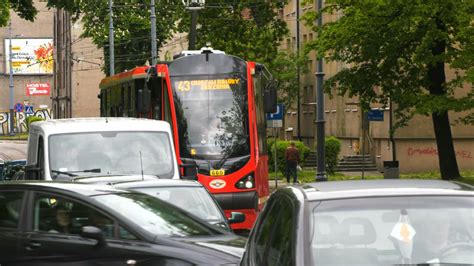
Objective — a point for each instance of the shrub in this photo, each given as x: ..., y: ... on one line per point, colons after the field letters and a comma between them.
x: 32, y: 119
x: 332, y: 149
x: 281, y: 147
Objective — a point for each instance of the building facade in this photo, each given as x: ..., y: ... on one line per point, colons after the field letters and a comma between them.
x: 78, y: 64
x: 32, y: 64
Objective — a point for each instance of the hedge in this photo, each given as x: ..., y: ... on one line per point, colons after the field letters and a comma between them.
x: 31, y: 119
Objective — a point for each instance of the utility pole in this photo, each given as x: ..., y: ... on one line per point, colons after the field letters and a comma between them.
x: 193, y: 6
x: 153, y: 34
x: 111, y: 40
x: 192, y: 33
x: 298, y: 67
x: 320, y: 122
x: 390, y: 125
x: 11, y: 86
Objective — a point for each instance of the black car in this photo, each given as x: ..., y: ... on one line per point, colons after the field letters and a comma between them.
x: 385, y: 222
x: 78, y: 224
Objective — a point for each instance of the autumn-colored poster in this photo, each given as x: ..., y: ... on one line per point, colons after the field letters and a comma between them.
x: 30, y: 56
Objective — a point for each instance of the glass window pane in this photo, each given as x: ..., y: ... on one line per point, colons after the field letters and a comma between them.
x: 10, y: 207
x: 58, y: 215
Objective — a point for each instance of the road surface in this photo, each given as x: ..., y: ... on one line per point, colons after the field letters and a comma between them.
x: 12, y: 150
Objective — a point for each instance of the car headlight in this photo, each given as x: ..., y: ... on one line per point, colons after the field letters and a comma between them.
x: 246, y: 182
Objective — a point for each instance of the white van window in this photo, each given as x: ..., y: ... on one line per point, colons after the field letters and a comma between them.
x: 111, y: 153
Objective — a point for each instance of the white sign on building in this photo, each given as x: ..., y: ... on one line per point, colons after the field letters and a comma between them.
x: 29, y: 56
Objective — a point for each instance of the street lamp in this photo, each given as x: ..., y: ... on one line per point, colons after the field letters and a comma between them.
x: 11, y: 86
x: 193, y: 6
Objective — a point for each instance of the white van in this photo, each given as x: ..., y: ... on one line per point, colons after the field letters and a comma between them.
x: 100, y: 147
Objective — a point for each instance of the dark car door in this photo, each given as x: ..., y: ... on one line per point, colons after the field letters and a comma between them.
x: 53, y: 234
x: 11, y: 207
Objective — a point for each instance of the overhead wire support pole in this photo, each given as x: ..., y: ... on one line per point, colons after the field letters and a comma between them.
x: 153, y: 33
x: 298, y: 68
x: 192, y: 33
x: 111, y: 40
x: 11, y: 85
x: 320, y: 122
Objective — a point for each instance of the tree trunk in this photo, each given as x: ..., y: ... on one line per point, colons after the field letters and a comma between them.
x: 444, y: 140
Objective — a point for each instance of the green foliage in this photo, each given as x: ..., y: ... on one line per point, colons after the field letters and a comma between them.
x: 32, y: 119
x: 131, y: 28
x: 400, y: 50
x: 332, y: 148
x: 253, y: 31
x: 391, y: 50
x: 23, y: 8
x: 281, y: 147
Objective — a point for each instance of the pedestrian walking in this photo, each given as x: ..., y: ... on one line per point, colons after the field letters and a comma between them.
x: 292, y: 158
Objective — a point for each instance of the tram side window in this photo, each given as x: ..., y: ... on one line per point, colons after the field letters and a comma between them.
x: 126, y: 99
x: 155, y: 85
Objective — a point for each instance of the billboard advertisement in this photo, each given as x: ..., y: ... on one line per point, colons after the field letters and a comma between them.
x: 37, y: 89
x: 29, y: 56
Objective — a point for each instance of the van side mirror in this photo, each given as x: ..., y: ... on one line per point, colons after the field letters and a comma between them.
x: 270, y: 99
x: 32, y: 172
x: 143, y: 100
x: 189, y: 171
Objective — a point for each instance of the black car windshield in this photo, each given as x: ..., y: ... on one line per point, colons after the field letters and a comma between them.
x: 212, y: 116
x: 111, y: 153
x: 155, y: 216
x: 393, y: 230
x: 193, y: 199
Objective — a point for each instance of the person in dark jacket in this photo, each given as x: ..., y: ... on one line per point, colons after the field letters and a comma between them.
x: 292, y: 158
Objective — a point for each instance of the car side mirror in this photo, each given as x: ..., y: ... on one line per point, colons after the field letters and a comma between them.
x: 32, y: 172
x: 95, y: 233
x: 189, y: 171
x: 236, y: 217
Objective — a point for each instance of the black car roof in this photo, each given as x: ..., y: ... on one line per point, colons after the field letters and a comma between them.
x: 367, y: 188
x: 77, y: 188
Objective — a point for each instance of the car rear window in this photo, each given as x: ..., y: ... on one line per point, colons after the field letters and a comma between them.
x: 393, y: 230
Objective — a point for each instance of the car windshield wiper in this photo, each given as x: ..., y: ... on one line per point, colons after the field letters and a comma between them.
x: 72, y: 173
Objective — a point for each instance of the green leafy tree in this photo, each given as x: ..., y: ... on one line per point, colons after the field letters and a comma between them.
x: 131, y: 28
x: 24, y: 8
x: 250, y: 30
x: 400, y: 49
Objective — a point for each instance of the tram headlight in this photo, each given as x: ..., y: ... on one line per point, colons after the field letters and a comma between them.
x: 246, y: 182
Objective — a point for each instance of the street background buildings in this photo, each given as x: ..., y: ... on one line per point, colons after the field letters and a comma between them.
x: 30, y: 67
x: 77, y: 73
